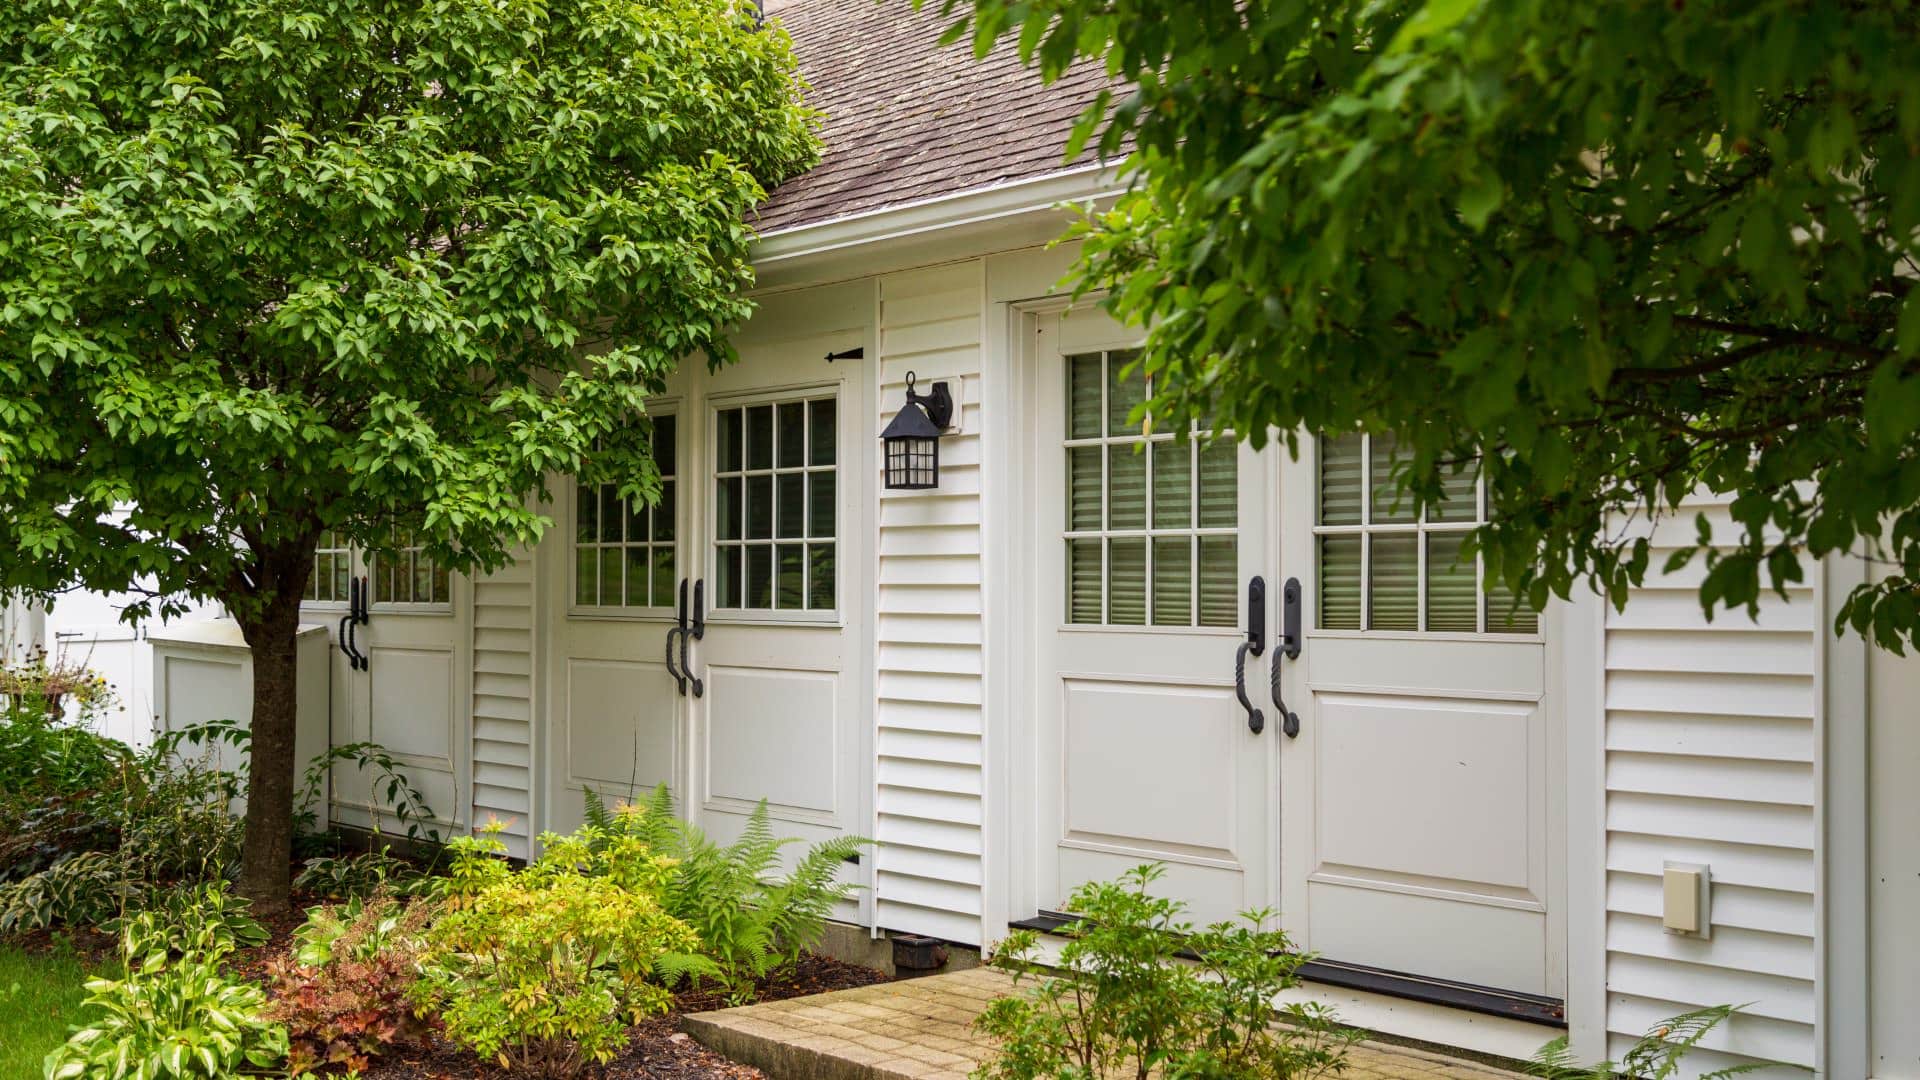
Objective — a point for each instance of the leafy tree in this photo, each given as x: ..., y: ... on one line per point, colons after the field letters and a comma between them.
x: 1614, y: 251
x: 275, y: 267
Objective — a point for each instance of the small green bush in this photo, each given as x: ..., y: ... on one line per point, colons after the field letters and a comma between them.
x: 751, y: 921
x: 176, y: 1015
x: 542, y: 968
x: 1125, y: 1003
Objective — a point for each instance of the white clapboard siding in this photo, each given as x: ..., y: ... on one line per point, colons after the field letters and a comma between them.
x: 1710, y: 758
x: 929, y: 783
x: 503, y: 701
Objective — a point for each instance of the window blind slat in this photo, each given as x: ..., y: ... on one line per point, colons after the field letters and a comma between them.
x: 1393, y: 593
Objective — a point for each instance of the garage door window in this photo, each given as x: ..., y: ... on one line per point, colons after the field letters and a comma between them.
x: 623, y: 552
x: 1152, y: 521
x: 776, y: 486
x: 1385, y: 567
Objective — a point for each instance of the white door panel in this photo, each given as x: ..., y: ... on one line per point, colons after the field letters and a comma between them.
x: 1419, y: 829
x: 1143, y: 553
x: 412, y: 694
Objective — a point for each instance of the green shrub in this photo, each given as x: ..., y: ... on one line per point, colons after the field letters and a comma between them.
x: 203, y: 918
x: 176, y: 1017
x: 342, y: 990
x: 164, y: 819
x: 542, y: 968
x: 751, y: 922
x: 356, y: 875
x: 1655, y: 1056
x: 116, y: 828
x: 1125, y: 1004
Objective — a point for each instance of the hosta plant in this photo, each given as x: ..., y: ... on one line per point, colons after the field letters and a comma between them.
x: 542, y: 969
x: 753, y: 921
x: 342, y: 989
x: 193, y: 919
x: 354, y: 876
x: 175, y: 1017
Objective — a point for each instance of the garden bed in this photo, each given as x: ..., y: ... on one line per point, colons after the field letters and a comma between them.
x: 655, y: 1049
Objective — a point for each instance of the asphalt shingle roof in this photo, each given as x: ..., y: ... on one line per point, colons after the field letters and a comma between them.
x: 907, y: 119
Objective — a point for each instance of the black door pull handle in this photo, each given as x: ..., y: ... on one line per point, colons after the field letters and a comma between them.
x: 1255, y: 644
x: 695, y: 632
x: 1289, y: 649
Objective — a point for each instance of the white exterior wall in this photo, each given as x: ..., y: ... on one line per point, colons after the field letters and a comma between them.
x: 930, y: 674
x: 1711, y: 737
x: 1892, y: 870
x: 503, y: 665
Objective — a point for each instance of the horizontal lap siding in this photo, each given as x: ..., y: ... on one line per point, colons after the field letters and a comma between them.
x: 1710, y: 758
x: 929, y: 783
x: 503, y: 701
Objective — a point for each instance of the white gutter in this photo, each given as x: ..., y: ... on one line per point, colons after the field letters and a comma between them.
x: 976, y: 206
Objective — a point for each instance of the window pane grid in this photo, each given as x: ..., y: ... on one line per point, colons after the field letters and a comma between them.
x: 624, y: 552
x: 332, y: 569
x: 776, y: 530
x: 1383, y: 567
x: 407, y: 577
x: 1151, y: 524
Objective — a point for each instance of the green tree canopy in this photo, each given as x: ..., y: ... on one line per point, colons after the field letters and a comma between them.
x: 274, y: 267
x: 1615, y: 251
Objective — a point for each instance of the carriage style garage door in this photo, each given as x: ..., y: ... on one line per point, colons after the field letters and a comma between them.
x: 1407, y: 828
x: 412, y: 638
x: 1418, y: 833
x: 1142, y: 751
x: 751, y: 552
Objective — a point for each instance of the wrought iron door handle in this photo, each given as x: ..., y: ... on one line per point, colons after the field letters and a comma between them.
x: 1289, y: 649
x: 1256, y: 720
x: 346, y: 650
x: 686, y: 667
x: 679, y: 677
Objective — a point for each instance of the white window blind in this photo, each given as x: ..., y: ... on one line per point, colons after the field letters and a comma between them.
x: 1152, y: 521
x: 1383, y: 566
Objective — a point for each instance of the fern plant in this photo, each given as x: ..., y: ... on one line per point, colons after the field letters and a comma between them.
x: 1656, y: 1056
x: 752, y: 922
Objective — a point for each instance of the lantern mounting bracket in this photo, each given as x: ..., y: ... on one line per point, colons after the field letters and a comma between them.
x: 938, y: 403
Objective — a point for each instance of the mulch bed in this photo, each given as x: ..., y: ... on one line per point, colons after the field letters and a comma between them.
x: 654, y: 1049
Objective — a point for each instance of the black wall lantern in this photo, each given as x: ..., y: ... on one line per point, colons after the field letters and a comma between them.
x: 912, y: 440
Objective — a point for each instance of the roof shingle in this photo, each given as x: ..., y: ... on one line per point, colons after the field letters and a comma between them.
x: 907, y: 120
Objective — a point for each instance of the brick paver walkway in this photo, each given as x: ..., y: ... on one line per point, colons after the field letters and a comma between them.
x: 922, y: 1029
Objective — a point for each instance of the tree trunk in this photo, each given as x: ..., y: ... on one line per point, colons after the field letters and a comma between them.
x: 267, y: 857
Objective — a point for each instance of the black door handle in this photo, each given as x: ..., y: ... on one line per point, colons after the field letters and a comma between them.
x: 1255, y: 644
x: 679, y: 627
x: 679, y: 677
x: 1289, y: 648
x: 346, y: 650
x: 349, y: 641
x: 694, y: 633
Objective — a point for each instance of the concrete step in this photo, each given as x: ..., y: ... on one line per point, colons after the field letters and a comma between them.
x: 922, y: 1029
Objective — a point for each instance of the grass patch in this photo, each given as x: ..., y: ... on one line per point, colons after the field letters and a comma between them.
x: 40, y: 995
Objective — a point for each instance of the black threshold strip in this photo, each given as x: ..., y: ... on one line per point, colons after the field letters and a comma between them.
x: 1532, y: 1008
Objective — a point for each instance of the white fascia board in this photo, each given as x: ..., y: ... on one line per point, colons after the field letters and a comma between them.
x: 977, y: 210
